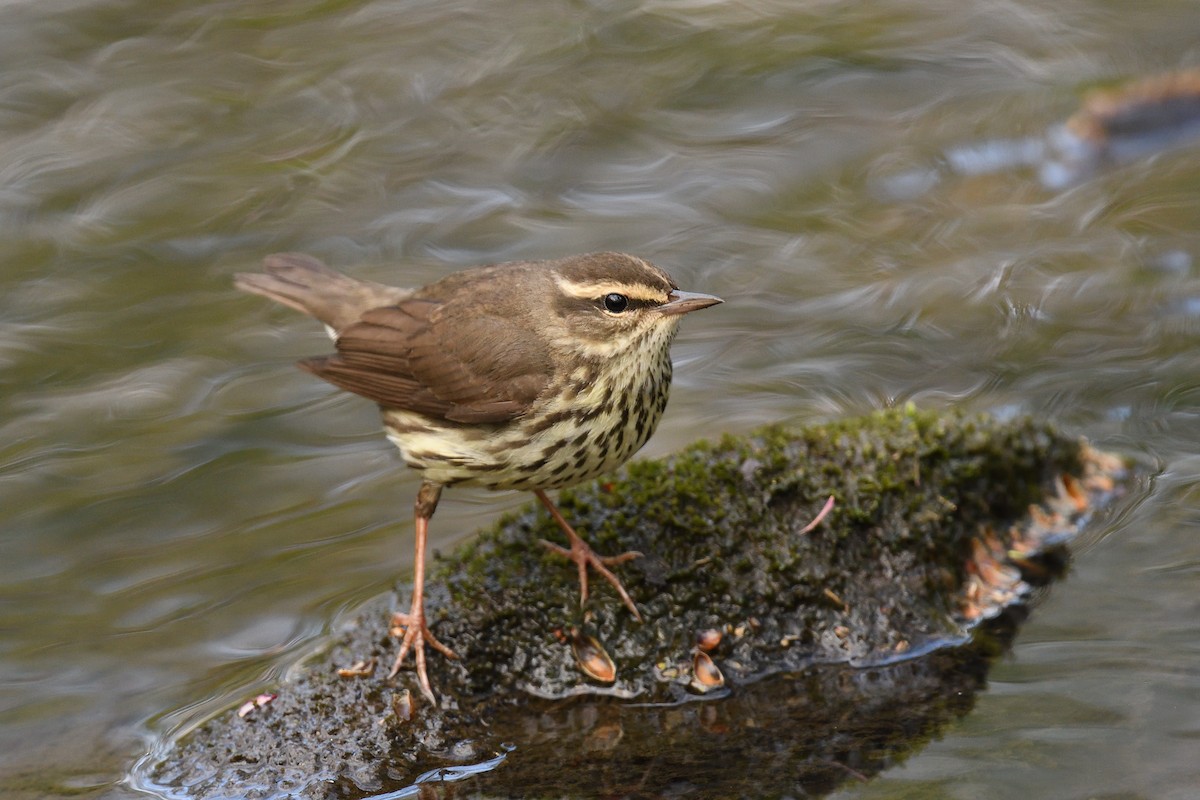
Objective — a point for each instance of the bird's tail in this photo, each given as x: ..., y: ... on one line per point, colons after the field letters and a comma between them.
x: 307, y: 285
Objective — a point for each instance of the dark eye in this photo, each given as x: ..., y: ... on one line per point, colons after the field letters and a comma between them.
x: 616, y: 303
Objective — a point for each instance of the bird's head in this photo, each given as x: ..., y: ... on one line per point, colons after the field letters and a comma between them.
x: 608, y: 303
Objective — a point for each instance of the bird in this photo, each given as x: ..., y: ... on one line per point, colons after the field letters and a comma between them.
x: 525, y: 375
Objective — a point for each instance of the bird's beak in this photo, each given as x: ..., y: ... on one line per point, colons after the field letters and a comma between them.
x: 682, y: 302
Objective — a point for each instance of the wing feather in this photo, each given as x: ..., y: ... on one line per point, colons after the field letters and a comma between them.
x: 443, y: 361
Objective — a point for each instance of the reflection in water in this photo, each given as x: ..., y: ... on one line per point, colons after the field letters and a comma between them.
x: 805, y: 733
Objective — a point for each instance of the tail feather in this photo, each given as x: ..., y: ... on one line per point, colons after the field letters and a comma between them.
x: 305, y: 284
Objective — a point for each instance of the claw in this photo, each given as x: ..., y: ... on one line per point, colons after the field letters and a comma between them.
x: 584, y: 556
x: 416, y: 636
x: 416, y: 630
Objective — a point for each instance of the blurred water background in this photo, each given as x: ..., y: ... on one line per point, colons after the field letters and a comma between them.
x: 183, y: 513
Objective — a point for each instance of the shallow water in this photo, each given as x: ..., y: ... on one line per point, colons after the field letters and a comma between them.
x: 184, y: 513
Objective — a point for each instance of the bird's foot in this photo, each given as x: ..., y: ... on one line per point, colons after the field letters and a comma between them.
x: 416, y: 635
x: 584, y: 556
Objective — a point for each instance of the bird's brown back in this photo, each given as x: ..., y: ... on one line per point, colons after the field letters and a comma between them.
x: 478, y: 346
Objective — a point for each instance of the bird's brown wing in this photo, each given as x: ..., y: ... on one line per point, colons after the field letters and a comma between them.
x: 420, y: 355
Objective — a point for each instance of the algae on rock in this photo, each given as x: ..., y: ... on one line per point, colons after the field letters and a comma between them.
x: 930, y: 531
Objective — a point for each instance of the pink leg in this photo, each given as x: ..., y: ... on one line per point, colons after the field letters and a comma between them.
x: 416, y: 631
x: 584, y: 556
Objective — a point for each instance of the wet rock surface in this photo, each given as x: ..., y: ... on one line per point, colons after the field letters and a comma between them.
x: 812, y: 654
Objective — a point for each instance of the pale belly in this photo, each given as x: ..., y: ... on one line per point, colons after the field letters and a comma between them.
x: 545, y: 450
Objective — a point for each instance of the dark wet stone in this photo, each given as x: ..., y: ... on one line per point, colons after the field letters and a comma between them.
x: 840, y: 649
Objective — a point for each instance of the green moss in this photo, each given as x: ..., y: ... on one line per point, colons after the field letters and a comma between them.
x: 720, y: 524
x: 722, y: 528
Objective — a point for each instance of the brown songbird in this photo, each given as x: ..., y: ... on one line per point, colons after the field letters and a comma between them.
x: 532, y: 375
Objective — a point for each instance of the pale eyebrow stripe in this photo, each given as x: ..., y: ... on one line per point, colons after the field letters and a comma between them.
x: 600, y: 288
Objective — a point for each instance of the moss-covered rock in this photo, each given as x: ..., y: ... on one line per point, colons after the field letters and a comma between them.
x: 930, y: 531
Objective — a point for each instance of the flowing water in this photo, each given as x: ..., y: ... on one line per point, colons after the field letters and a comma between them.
x: 183, y: 513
